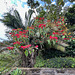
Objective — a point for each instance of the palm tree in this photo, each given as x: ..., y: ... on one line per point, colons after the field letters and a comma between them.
x: 28, y: 20
x: 14, y: 21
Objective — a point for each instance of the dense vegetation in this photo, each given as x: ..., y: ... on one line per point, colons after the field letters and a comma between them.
x: 45, y: 41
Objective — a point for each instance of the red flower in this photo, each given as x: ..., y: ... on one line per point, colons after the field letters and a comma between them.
x: 20, y: 32
x: 57, y: 25
x: 17, y: 35
x: 41, y: 25
x: 35, y: 17
x: 50, y: 37
x: 36, y: 46
x: 41, y: 18
x: 14, y: 29
x: 48, y: 20
x: 61, y: 30
x: 56, y: 41
x: 66, y: 38
x: 53, y: 37
x: 17, y: 42
x: 10, y: 33
x: 26, y: 36
x: 40, y: 41
x: 56, y: 38
x: 44, y: 25
x: 31, y: 27
x: 10, y: 48
x: 73, y: 38
x: 63, y: 34
x: 27, y: 46
x: 62, y: 19
x: 54, y: 33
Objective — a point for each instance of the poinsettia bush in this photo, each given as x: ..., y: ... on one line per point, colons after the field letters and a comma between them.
x: 30, y: 41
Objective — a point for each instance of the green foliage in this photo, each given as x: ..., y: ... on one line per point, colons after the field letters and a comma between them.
x: 52, y: 53
x: 67, y: 62
x: 28, y: 20
x: 41, y: 13
x: 70, y: 15
x: 7, y: 61
x: 16, y: 72
x: 12, y: 21
x: 33, y: 4
x: 70, y: 50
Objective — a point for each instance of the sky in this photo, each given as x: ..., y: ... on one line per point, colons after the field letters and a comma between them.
x: 21, y: 6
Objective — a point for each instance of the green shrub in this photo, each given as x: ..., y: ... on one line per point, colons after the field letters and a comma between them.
x: 70, y: 50
x: 16, y: 72
x: 52, y: 53
x: 67, y: 62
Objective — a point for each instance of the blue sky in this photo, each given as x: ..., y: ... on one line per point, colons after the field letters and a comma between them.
x: 21, y: 6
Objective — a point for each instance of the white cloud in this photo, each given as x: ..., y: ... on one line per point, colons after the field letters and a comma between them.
x: 24, y: 0
x: 74, y: 2
x: 22, y: 10
x: 2, y: 7
x: 2, y: 31
x: 71, y: 5
x: 66, y: 4
x: 53, y: 3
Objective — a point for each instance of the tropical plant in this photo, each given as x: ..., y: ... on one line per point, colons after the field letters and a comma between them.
x: 38, y: 36
x: 14, y: 20
x: 28, y: 20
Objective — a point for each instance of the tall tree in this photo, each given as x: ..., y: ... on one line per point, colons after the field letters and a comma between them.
x: 70, y: 15
x: 33, y: 3
x: 14, y: 20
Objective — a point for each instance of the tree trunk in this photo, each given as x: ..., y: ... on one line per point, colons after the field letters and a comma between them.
x: 24, y: 59
x: 32, y: 59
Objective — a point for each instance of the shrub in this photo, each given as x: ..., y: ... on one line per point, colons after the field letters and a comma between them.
x: 70, y: 50
x: 16, y: 72
x: 67, y: 62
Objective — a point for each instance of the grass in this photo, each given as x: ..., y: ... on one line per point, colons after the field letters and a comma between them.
x: 7, y: 61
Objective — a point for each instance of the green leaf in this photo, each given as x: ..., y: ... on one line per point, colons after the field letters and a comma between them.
x: 30, y: 51
x: 63, y: 37
x: 33, y: 50
x: 53, y: 42
x: 26, y: 52
x: 49, y: 42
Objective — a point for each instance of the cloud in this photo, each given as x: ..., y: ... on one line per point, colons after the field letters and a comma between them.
x: 67, y: 4
x: 2, y: 31
x: 24, y: 0
x: 22, y: 10
x: 23, y: 3
x: 53, y: 3
x: 19, y: 0
x: 71, y: 5
x: 14, y: 2
x: 74, y: 2
x: 2, y: 7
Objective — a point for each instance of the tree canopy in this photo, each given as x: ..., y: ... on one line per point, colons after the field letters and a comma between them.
x: 70, y: 15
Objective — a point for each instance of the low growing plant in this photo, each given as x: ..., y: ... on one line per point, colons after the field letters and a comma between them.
x: 67, y: 62
x: 16, y: 72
